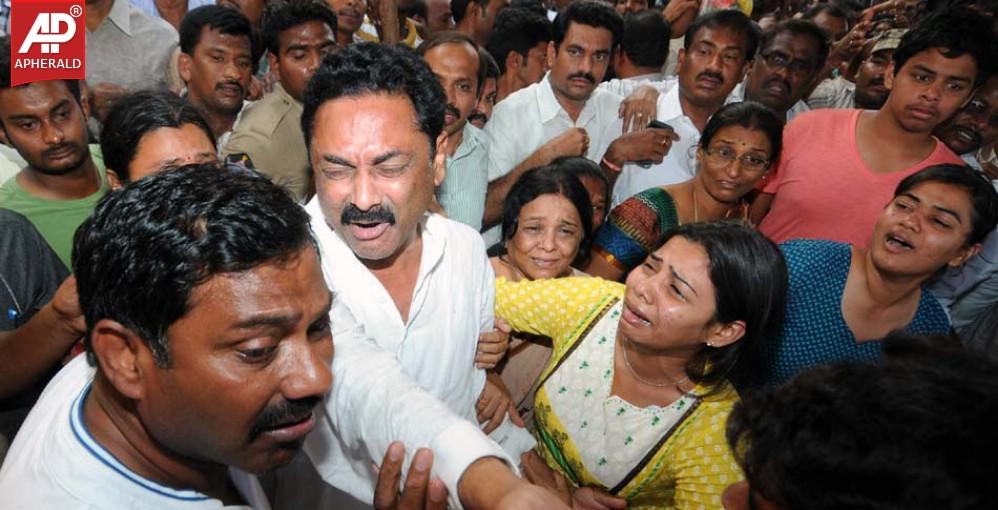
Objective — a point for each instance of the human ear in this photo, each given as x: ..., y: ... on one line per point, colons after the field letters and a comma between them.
x: 440, y: 160
x: 119, y: 354
x: 184, y: 63
x: 275, y: 65
x: 889, y: 76
x: 722, y: 335
x: 965, y: 255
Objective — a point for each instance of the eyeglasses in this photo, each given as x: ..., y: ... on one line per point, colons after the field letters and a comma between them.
x: 723, y: 156
x: 777, y: 60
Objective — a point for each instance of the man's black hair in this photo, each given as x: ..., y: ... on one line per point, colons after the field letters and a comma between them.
x: 455, y: 37
x: 915, y: 432
x: 281, y: 15
x: 731, y: 20
x: 146, y: 247
x: 534, y: 6
x: 954, y: 33
x: 593, y: 13
x: 517, y: 29
x: 491, y: 68
x: 5, y: 67
x: 371, y: 68
x: 646, y: 38
x: 135, y: 115
x: 802, y: 27
x: 223, y: 19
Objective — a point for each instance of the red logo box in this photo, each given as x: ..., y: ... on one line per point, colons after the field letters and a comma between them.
x: 47, y: 40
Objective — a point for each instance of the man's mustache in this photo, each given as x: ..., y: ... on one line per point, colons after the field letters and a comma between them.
x: 285, y: 413
x: 236, y: 84
x: 379, y: 214
x: 48, y: 153
x: 712, y: 74
x: 586, y: 76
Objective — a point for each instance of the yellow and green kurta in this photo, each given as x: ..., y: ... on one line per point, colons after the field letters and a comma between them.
x: 654, y: 457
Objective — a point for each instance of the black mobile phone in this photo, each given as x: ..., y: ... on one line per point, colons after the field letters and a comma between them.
x: 655, y: 124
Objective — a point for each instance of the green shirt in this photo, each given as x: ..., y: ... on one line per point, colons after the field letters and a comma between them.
x: 56, y: 220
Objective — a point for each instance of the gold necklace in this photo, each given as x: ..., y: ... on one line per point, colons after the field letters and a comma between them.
x: 627, y: 363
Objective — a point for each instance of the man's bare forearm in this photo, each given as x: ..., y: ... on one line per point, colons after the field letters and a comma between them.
x: 499, y: 188
x: 31, y: 350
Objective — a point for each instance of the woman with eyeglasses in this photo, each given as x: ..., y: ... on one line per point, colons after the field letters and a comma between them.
x: 737, y: 148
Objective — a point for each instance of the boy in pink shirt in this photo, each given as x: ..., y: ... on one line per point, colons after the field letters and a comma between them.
x: 839, y: 168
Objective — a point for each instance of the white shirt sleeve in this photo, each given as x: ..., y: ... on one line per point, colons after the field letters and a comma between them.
x: 502, y: 150
x: 372, y: 403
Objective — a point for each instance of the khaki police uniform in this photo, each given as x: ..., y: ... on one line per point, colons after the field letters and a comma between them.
x: 269, y: 132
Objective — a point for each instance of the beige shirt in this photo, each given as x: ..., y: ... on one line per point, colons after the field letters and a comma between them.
x: 269, y: 132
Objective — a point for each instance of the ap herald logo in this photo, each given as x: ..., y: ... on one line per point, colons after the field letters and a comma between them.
x: 47, y: 40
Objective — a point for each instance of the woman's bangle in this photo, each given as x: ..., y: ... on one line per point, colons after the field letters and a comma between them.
x: 611, y: 166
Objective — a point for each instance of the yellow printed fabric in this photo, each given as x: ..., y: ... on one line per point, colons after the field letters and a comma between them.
x: 557, y: 308
x: 656, y: 457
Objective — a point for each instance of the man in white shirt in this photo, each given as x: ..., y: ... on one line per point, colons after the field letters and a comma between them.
x: 717, y: 50
x: 421, y: 284
x: 790, y: 56
x: 208, y: 351
x: 565, y: 114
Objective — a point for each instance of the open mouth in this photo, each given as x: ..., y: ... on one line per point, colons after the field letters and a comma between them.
x: 966, y: 136
x: 292, y: 430
x: 231, y: 90
x: 777, y: 89
x: 709, y: 82
x: 368, y: 231
x: 898, y: 243
x: 634, y: 318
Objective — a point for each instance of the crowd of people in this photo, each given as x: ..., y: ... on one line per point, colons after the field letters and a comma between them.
x: 509, y: 254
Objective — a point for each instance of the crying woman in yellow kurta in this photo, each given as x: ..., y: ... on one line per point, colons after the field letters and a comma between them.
x: 634, y: 401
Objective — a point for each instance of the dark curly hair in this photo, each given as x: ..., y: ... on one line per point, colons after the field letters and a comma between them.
x: 915, y: 433
x: 147, y: 246
x: 954, y: 32
x: 371, y: 68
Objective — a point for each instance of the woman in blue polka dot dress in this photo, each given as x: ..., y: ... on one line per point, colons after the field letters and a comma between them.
x: 843, y: 299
